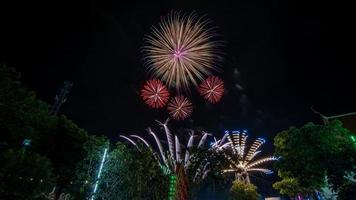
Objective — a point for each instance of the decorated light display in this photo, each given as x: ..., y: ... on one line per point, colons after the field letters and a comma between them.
x: 172, y: 187
x: 181, y: 50
x: 155, y: 94
x: 212, y: 89
x: 180, y: 107
x: 99, y: 174
x: 242, y: 162
x: 173, y: 160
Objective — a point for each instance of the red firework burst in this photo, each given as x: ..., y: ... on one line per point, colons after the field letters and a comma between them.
x: 180, y: 107
x: 155, y: 94
x: 212, y: 89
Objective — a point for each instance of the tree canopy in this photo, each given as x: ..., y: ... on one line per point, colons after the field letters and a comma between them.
x: 310, y: 153
x: 206, y: 167
x: 54, y: 140
x: 24, y: 175
x: 243, y: 191
x: 132, y: 174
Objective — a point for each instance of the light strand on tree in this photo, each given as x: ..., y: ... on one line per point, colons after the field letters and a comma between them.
x: 243, y: 162
x: 260, y: 161
x: 254, y: 147
x: 172, y: 187
x: 99, y: 174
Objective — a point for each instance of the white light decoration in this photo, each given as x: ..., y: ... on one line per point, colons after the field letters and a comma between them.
x: 99, y: 174
x: 176, y: 153
x: 242, y: 163
x: 174, y: 158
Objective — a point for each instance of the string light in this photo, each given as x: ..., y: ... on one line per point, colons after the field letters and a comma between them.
x: 99, y: 174
x: 172, y: 187
x: 353, y: 138
x: 253, y: 149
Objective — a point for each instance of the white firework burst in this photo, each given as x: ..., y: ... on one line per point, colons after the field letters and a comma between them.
x: 181, y: 50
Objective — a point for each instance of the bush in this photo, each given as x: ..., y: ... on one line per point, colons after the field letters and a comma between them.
x: 243, y: 191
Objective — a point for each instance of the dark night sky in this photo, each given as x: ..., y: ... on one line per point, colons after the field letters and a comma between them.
x: 286, y: 55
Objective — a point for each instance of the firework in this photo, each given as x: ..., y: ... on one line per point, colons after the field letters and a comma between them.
x: 155, y: 94
x: 180, y: 107
x: 181, y: 49
x: 212, y: 89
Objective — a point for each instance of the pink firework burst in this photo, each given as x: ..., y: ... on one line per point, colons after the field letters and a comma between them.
x: 155, y: 94
x: 180, y: 107
x: 212, y: 89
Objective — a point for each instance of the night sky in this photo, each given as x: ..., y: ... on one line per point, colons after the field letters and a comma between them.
x: 281, y: 57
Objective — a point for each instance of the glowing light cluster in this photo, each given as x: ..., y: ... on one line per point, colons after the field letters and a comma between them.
x: 181, y: 50
x: 175, y: 153
x: 155, y: 94
x: 243, y: 163
x: 174, y: 160
x: 238, y: 142
x: 172, y: 187
x: 260, y: 161
x: 353, y: 138
x: 212, y: 89
x: 253, y: 149
x: 180, y: 107
x: 99, y: 174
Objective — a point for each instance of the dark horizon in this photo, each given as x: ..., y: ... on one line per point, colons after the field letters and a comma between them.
x: 281, y: 58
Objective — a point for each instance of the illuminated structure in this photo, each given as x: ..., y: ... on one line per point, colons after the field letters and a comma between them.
x: 172, y: 187
x: 181, y: 50
x: 242, y: 161
x: 99, y: 174
x: 174, y: 160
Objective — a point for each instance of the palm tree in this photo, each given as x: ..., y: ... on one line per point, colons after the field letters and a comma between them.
x: 242, y: 162
x: 174, y: 159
